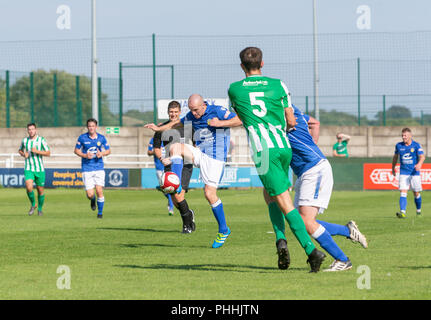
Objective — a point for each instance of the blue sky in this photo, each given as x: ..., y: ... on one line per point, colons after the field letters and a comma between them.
x: 34, y: 20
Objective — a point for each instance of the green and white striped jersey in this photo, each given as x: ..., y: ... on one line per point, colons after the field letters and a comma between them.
x: 260, y: 102
x: 34, y: 162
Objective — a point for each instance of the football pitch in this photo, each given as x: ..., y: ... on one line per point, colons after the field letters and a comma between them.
x: 137, y: 250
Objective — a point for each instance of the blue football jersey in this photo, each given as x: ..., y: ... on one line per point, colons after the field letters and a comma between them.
x: 305, y: 153
x: 212, y: 141
x: 86, y: 144
x: 157, y: 163
x: 409, y: 157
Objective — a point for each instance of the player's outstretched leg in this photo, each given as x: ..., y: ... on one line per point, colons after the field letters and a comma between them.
x: 32, y: 199
x: 350, y: 231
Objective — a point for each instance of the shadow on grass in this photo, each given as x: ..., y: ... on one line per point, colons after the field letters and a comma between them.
x: 416, y: 267
x: 209, y: 267
x: 141, y: 245
x: 139, y: 229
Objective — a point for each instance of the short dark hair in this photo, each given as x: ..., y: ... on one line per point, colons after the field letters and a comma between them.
x: 92, y: 120
x: 31, y: 125
x: 406, y: 130
x: 251, y: 58
x: 174, y: 104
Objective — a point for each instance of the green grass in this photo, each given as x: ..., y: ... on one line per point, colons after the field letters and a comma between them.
x: 137, y: 251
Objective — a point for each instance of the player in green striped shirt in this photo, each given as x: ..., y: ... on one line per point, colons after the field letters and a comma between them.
x: 263, y: 105
x: 33, y: 148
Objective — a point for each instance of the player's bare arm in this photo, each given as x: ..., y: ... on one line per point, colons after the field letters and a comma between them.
x: 41, y: 152
x: 421, y: 160
x: 394, y: 163
x: 103, y: 153
x: 230, y: 123
x: 345, y: 137
x: 22, y: 153
x: 167, y: 126
x: 81, y: 154
x: 290, y: 118
x: 314, y: 128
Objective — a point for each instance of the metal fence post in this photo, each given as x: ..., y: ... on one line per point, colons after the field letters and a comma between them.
x: 172, y: 82
x: 359, y: 90
x: 384, y: 110
x: 306, y: 104
x: 32, y: 97
x: 154, y: 81
x: 7, y: 100
x: 78, y: 103
x: 99, y: 99
x: 55, y: 100
x: 120, y: 95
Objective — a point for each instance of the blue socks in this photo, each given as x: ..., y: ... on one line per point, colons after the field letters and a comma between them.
x: 171, y: 204
x: 177, y: 165
x: 218, y: 212
x: 335, y: 229
x: 418, y: 203
x: 100, y: 203
x: 403, y: 201
x: 322, y: 236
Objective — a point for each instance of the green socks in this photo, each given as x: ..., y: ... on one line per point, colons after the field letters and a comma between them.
x: 40, y: 201
x: 31, y: 197
x: 277, y: 220
x: 297, y: 226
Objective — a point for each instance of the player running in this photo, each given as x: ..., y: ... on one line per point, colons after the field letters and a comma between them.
x: 264, y: 106
x: 313, y: 190
x: 411, y: 157
x: 167, y: 139
x: 159, y: 172
x: 210, y: 153
x: 92, y: 147
x: 33, y: 148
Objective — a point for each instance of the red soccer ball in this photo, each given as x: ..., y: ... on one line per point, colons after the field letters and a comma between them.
x: 170, y: 182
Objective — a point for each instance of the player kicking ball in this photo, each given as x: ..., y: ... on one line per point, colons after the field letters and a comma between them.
x: 92, y: 147
x: 33, y: 148
x: 210, y: 153
x: 411, y: 157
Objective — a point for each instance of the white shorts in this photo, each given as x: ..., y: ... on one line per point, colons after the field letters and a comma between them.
x: 407, y: 181
x: 314, y: 187
x: 92, y: 179
x: 211, y: 170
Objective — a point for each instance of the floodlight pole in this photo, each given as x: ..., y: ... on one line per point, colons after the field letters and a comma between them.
x: 94, y: 84
x: 316, y: 65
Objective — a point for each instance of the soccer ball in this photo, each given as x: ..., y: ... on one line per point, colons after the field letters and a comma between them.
x: 170, y: 182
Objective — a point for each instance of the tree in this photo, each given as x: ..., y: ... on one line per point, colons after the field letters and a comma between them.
x: 67, y: 111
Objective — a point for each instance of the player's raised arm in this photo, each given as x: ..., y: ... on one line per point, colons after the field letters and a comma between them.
x: 165, y: 127
x: 290, y: 118
x: 230, y: 123
x: 314, y: 128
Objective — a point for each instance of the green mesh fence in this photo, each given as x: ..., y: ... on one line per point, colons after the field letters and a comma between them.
x: 364, y: 78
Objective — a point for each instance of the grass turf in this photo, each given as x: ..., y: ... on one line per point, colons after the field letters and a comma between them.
x: 137, y: 250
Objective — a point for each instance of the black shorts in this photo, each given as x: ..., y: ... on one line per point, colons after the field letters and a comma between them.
x: 186, y: 175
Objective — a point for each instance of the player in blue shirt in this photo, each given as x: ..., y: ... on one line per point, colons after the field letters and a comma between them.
x: 313, y: 190
x: 210, y: 153
x: 92, y: 147
x: 411, y: 157
x: 159, y: 172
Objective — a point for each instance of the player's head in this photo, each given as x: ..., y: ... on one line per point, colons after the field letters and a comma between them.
x: 31, y: 129
x: 197, y: 105
x: 251, y: 59
x: 174, y: 110
x: 406, y: 135
x: 339, y: 136
x: 91, y: 125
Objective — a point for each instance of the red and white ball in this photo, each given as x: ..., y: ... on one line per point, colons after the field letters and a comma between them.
x: 169, y: 182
